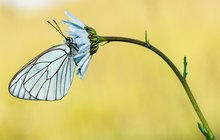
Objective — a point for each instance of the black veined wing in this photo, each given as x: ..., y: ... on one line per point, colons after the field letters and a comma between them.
x: 47, y: 77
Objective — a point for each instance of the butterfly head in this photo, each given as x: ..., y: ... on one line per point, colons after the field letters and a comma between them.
x: 70, y: 42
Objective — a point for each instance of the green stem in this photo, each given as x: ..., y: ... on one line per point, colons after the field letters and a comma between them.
x: 107, y: 39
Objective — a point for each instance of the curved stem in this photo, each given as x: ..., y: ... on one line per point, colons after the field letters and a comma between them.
x: 107, y: 39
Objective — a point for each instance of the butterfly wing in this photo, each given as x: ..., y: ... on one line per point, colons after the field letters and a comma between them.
x: 47, y: 77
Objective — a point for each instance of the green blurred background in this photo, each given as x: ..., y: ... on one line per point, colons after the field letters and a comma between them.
x: 128, y: 92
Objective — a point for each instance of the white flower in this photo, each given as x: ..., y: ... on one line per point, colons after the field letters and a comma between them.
x: 82, y: 35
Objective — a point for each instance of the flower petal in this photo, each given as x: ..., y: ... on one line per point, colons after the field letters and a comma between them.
x: 84, y: 48
x: 80, y: 32
x: 83, y: 65
x: 75, y: 20
x: 73, y: 34
x: 81, y: 41
x: 72, y: 24
x: 79, y: 57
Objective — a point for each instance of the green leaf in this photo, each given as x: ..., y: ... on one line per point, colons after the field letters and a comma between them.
x: 146, y: 39
x: 185, y: 65
x: 204, y: 132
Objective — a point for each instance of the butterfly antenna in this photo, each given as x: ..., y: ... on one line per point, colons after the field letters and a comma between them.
x: 58, y: 29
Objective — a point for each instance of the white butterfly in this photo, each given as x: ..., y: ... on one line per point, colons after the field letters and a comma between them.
x: 49, y: 75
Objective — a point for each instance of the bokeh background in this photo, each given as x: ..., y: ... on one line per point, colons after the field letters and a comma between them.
x: 128, y: 92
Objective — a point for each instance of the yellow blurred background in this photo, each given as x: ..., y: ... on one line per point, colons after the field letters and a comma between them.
x: 128, y: 92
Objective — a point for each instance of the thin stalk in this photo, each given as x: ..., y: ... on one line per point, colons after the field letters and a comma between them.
x: 108, y: 39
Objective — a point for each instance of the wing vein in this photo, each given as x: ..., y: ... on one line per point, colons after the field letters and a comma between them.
x: 34, y: 75
x: 36, y: 82
x: 59, y: 67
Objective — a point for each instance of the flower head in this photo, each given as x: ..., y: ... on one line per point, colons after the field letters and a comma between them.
x: 86, y: 40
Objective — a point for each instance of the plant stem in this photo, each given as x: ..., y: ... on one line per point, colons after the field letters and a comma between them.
x: 175, y: 70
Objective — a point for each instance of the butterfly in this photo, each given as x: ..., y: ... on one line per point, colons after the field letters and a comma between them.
x: 49, y: 75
